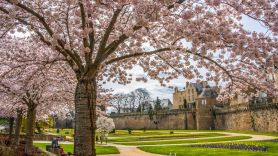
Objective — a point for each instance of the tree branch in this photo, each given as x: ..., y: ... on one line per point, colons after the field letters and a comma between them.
x: 136, y: 55
x: 109, y: 30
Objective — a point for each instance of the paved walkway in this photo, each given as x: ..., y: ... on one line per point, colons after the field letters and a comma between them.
x: 254, y: 137
x: 130, y: 151
x: 134, y: 151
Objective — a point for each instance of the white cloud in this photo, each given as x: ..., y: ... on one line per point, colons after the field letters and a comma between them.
x: 153, y: 86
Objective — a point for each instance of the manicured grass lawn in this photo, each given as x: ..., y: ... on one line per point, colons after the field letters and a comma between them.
x: 64, y: 132
x: 123, y: 133
x: 184, y: 141
x: 275, y: 134
x: 165, y: 137
x: 69, y: 148
x: 196, y: 151
x: 134, y: 133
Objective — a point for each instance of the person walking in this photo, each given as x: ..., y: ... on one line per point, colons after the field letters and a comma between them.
x: 106, y: 136
x: 101, y: 137
x: 97, y: 139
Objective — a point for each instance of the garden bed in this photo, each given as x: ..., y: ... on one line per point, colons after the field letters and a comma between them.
x: 234, y: 146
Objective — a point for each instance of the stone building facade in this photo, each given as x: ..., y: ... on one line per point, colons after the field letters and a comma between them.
x: 190, y: 95
x: 275, y: 78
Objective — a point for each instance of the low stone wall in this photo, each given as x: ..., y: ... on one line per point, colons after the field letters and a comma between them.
x: 262, y: 118
x: 165, y: 120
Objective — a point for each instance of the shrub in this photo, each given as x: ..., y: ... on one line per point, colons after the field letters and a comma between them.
x: 171, y: 132
x: 129, y: 131
x: 66, y: 132
x: 58, y: 130
x: 113, y: 131
x: 144, y: 129
x: 234, y: 146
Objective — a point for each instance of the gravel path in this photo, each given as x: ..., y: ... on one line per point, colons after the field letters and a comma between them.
x: 130, y: 151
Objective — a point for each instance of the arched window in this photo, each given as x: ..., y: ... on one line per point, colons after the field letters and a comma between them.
x: 204, y: 102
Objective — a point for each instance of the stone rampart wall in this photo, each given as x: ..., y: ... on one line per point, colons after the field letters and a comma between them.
x: 262, y: 118
x: 166, y: 120
x: 242, y: 117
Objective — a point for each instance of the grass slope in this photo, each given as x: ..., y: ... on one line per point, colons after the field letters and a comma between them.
x: 184, y: 141
x: 194, y: 151
x: 165, y: 137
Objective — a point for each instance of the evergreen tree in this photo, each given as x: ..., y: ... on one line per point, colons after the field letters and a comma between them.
x: 150, y: 112
x: 138, y: 108
x: 157, y: 105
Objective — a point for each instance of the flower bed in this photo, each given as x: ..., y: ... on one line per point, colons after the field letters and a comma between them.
x: 6, y: 151
x: 274, y: 140
x: 234, y: 146
x: 9, y: 150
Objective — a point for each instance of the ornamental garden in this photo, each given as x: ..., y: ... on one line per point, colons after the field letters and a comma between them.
x: 138, y: 77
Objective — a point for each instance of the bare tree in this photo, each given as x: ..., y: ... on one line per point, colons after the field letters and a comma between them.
x: 119, y: 101
x: 142, y: 98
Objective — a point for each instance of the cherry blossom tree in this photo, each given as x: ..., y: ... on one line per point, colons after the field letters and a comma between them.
x: 105, y: 124
x: 101, y: 39
x: 11, y: 110
x: 33, y: 83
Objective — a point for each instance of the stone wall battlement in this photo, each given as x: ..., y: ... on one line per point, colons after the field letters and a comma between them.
x: 251, y: 117
x: 246, y: 107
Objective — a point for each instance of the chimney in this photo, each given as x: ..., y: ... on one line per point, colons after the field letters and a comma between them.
x: 198, y: 82
x: 187, y: 84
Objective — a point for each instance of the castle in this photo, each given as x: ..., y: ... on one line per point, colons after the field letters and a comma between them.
x: 194, y: 94
x: 195, y: 107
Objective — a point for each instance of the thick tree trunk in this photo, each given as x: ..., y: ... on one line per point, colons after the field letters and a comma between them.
x: 31, y: 116
x: 85, y: 118
x: 11, y: 128
x: 18, y: 126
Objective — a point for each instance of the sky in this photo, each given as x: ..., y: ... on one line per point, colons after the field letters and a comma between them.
x: 154, y: 87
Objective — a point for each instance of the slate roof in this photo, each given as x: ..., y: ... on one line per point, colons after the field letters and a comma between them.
x: 199, y: 87
x: 208, y: 92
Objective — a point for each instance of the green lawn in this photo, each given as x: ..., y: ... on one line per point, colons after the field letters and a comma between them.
x: 184, y: 141
x: 275, y: 134
x: 123, y: 133
x: 64, y: 132
x: 196, y: 151
x: 165, y: 137
x: 69, y: 148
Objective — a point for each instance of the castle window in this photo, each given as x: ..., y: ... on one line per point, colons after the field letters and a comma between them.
x: 204, y: 102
